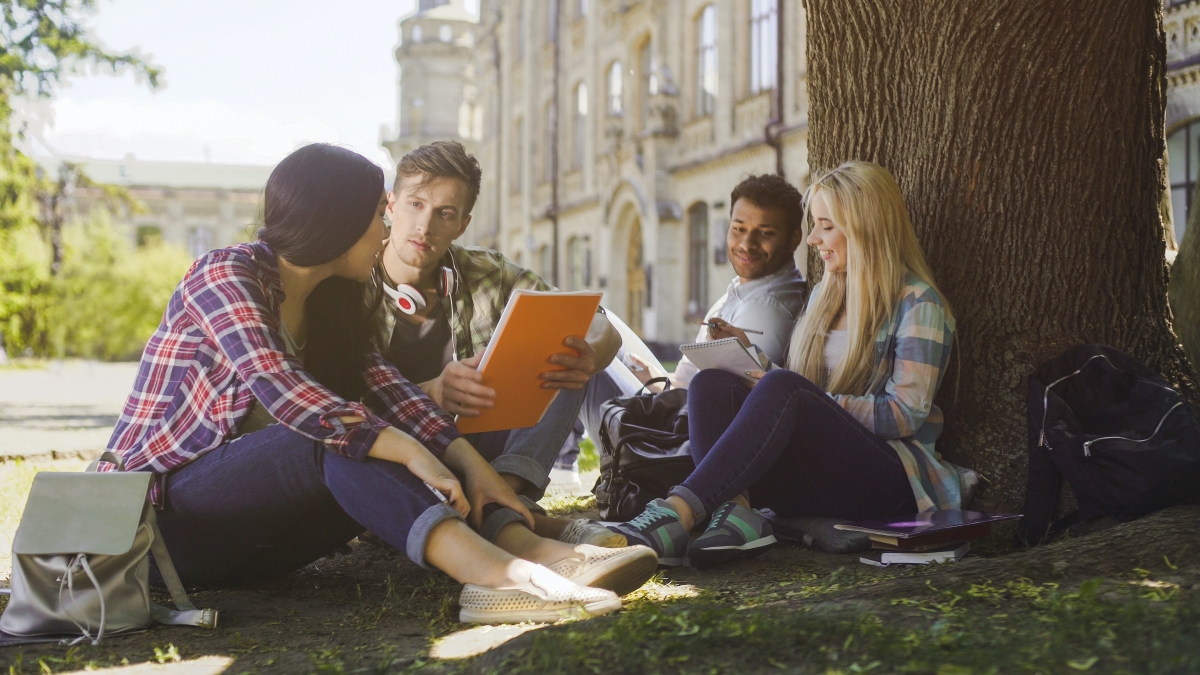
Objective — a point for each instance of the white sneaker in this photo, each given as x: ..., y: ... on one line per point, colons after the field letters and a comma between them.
x: 566, y: 480
x: 620, y: 570
x: 584, y: 531
x: 545, y: 598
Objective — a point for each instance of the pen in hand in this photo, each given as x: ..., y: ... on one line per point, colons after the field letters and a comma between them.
x: 715, y: 325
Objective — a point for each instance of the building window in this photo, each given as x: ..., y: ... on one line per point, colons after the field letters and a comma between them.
x: 519, y: 33
x: 649, y: 82
x: 200, y: 240
x: 547, y: 146
x: 615, y: 84
x: 580, y: 126
x: 697, y: 271
x: 445, y: 33
x: 149, y: 235
x: 706, y: 61
x: 416, y: 33
x: 764, y: 15
x: 579, y: 263
x: 551, y: 21
x: 581, y: 8
x: 543, y: 261
x: 518, y: 156
x: 1183, y: 158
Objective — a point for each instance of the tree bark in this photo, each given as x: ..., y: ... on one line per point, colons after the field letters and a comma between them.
x: 1027, y: 136
x: 1185, y: 288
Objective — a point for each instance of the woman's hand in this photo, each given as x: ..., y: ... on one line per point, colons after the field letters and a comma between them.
x: 484, y: 485
x: 755, y: 376
x: 721, y: 329
x: 425, y: 466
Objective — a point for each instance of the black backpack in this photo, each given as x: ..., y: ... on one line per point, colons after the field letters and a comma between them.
x: 644, y: 451
x: 1125, y: 440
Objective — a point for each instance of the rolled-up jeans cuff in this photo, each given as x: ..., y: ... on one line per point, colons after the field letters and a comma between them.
x: 418, y: 535
x: 526, y: 468
x: 699, y: 513
x: 496, y: 520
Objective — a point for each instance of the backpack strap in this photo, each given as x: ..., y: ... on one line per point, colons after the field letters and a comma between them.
x: 187, y: 614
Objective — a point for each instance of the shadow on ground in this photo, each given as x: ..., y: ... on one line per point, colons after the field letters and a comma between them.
x: 1121, y: 600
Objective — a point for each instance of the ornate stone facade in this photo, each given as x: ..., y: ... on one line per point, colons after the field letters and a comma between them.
x: 612, y: 132
x: 1181, y: 22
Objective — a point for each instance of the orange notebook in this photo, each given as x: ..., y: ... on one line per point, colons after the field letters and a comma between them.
x: 533, y: 327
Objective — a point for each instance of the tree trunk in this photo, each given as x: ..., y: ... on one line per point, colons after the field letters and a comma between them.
x: 1027, y: 136
x: 1185, y: 287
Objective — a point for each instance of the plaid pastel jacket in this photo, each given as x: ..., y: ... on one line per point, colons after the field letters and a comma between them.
x: 911, y: 356
x: 218, y: 349
x: 485, y: 279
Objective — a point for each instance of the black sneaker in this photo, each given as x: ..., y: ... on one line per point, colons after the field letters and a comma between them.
x: 734, y: 532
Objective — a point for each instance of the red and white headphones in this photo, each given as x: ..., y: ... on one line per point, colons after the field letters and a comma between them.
x: 411, y: 300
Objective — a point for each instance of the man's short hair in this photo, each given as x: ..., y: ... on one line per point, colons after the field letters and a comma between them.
x: 770, y: 191
x: 443, y: 159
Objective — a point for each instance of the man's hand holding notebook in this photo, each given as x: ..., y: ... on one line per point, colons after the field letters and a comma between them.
x: 527, y: 361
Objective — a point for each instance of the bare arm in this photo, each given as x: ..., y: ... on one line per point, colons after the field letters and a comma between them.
x: 604, y: 338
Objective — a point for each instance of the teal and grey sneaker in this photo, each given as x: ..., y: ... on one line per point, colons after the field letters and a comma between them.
x: 734, y: 532
x: 659, y: 528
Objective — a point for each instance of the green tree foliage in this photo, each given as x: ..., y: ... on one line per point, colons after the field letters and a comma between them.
x: 39, y: 41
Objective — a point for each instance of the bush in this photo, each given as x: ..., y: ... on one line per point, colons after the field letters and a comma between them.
x: 107, y: 300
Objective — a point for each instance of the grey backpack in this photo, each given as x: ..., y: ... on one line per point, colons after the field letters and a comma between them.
x: 80, y: 561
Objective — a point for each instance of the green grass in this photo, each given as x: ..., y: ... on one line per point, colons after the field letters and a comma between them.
x: 1016, y: 627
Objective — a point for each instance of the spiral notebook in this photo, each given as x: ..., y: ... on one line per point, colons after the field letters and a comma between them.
x: 726, y: 354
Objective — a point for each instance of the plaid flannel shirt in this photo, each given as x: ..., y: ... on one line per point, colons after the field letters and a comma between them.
x: 218, y: 349
x: 911, y: 355
x: 484, y: 279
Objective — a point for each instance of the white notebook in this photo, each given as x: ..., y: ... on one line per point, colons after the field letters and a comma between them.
x: 726, y: 354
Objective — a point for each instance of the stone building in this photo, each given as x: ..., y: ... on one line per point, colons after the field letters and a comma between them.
x: 196, y: 206
x: 611, y: 133
x: 1181, y: 21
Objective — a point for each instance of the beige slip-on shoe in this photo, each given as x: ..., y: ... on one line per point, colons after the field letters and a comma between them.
x: 545, y: 598
x: 584, y: 531
x: 620, y: 570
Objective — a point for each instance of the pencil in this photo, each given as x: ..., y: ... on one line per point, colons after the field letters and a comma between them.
x: 744, y: 330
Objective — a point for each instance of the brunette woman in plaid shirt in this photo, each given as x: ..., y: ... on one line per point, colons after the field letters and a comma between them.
x: 847, y: 430
x: 278, y: 433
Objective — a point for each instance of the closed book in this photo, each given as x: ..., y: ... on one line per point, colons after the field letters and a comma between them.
x: 531, y: 329
x: 934, y: 539
x: 947, y: 554
x: 881, y: 546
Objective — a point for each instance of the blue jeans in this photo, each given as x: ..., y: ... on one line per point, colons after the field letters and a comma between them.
x: 791, y: 447
x: 273, y: 501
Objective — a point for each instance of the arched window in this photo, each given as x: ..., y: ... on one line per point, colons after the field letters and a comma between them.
x: 200, y: 240
x: 706, y: 61
x: 519, y: 32
x: 517, y: 180
x: 649, y: 81
x: 445, y: 33
x: 579, y: 126
x: 543, y: 261
x: 615, y: 84
x: 1183, y: 156
x: 579, y: 263
x: 547, y: 148
x: 697, y: 271
x: 416, y: 33
x: 764, y: 15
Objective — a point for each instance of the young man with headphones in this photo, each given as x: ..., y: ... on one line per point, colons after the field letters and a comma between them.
x: 442, y: 302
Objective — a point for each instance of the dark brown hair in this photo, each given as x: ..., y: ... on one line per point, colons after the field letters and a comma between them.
x: 318, y: 203
x: 443, y: 159
x: 770, y: 191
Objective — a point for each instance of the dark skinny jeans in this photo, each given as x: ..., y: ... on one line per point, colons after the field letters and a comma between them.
x: 273, y: 501
x: 791, y: 447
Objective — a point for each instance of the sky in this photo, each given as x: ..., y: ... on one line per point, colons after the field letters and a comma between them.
x: 244, y: 81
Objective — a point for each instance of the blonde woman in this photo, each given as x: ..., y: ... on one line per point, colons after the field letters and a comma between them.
x: 847, y: 430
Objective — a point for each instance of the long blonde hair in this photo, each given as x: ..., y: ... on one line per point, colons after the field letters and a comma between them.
x: 865, y: 202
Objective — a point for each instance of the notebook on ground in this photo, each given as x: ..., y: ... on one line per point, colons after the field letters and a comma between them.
x: 726, y: 354
x: 532, y: 327
x: 949, y: 524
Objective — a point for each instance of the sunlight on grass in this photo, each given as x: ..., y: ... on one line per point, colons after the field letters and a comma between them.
x: 15, y: 479
x: 477, y: 640
x: 658, y: 589
x: 563, y: 505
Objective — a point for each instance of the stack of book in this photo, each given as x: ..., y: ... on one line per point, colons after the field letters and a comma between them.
x: 938, y: 536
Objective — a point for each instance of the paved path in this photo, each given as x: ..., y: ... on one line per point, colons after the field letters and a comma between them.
x: 66, y: 409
